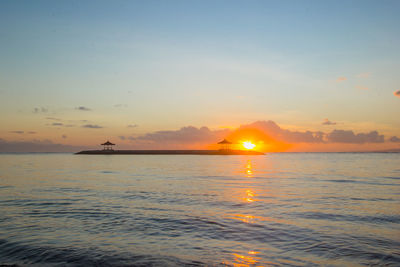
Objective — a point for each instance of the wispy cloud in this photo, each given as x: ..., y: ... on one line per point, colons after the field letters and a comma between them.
x: 328, y: 122
x: 364, y: 75
x: 82, y: 108
x: 120, y: 105
x: 131, y: 138
x: 64, y: 136
x: 40, y: 110
x: 92, y: 126
x: 52, y: 119
x: 23, y: 132
x: 17, y: 132
x: 132, y: 126
x: 341, y: 79
x: 397, y: 93
x: 361, y: 87
x: 60, y: 124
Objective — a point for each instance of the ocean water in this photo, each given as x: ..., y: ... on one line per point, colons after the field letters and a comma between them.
x: 289, y: 209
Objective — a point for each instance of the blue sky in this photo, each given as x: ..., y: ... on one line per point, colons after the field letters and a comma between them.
x: 168, y: 64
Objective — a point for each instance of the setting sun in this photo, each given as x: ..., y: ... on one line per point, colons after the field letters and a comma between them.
x: 248, y: 145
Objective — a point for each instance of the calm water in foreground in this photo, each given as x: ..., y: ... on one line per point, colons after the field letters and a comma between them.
x: 338, y: 209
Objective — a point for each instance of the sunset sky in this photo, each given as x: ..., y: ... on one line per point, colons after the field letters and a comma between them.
x: 291, y: 75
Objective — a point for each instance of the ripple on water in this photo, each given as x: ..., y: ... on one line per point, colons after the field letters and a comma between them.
x: 30, y: 254
x: 280, y: 210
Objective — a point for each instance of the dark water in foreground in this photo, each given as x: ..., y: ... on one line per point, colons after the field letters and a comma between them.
x: 279, y: 209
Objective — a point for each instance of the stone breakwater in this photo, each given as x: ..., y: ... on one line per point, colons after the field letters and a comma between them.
x: 169, y: 152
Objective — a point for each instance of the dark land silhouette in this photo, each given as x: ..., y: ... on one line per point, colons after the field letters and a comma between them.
x: 169, y: 152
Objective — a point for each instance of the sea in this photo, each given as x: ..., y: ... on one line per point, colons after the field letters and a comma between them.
x: 279, y: 209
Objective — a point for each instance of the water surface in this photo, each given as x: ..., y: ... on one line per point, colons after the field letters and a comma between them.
x: 300, y: 209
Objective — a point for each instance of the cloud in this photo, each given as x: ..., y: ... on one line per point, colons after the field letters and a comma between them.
x: 341, y: 79
x: 273, y: 130
x: 342, y: 136
x: 328, y: 122
x: 132, y: 126
x: 60, y: 124
x: 82, y: 108
x: 17, y: 132
x: 361, y: 87
x: 53, y: 119
x: 185, y: 138
x: 187, y: 134
x: 23, y: 132
x: 120, y: 105
x: 394, y: 139
x: 364, y: 75
x: 397, y: 93
x: 267, y: 132
x: 40, y: 110
x: 92, y: 126
x: 36, y: 146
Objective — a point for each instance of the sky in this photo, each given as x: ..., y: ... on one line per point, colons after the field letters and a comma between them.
x: 184, y: 74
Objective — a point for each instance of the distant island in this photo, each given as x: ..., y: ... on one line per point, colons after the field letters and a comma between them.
x: 226, y: 150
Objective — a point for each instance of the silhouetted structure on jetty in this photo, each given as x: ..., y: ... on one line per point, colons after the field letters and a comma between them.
x: 225, y: 145
x: 108, y: 145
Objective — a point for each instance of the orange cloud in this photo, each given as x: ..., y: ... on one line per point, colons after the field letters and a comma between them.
x: 328, y: 122
x: 397, y: 93
x: 364, y: 75
x: 341, y: 79
x: 361, y: 87
x: 266, y: 135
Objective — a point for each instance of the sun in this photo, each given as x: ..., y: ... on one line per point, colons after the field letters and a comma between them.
x: 248, y: 145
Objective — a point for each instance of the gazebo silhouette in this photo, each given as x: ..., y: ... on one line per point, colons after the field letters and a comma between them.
x: 108, y: 145
x: 225, y: 144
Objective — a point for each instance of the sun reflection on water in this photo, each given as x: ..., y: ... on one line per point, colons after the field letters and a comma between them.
x: 249, y: 169
x: 245, y: 260
x: 249, y: 196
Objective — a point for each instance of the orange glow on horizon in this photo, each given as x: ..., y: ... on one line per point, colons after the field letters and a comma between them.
x: 260, y: 140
